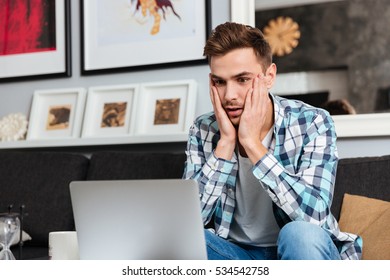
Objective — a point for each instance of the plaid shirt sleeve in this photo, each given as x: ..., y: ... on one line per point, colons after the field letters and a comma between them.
x: 300, y: 176
x: 212, y: 173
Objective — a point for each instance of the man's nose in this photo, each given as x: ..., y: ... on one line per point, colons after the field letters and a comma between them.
x: 231, y: 92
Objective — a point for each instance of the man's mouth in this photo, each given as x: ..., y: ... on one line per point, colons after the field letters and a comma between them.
x: 233, y: 112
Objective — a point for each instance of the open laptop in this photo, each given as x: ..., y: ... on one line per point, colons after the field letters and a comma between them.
x: 138, y: 219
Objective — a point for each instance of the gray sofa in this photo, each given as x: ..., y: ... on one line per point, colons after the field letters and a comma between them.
x: 40, y: 182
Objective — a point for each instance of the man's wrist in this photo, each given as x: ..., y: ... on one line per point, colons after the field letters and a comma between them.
x: 225, y: 149
x: 254, y: 150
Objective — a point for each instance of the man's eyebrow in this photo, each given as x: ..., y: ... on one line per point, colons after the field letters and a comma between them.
x: 216, y: 77
x: 244, y: 73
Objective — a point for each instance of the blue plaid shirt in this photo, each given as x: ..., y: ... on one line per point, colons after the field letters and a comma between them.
x: 298, y: 172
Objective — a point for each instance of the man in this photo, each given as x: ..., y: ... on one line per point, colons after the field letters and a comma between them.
x: 265, y: 165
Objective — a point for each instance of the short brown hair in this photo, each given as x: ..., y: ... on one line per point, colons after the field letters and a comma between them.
x: 230, y: 36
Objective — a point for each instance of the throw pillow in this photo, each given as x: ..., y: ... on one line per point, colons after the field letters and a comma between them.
x: 369, y: 218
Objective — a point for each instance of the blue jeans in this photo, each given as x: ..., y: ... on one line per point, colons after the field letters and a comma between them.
x: 296, y: 241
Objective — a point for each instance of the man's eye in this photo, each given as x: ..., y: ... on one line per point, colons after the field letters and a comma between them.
x: 219, y: 82
x: 243, y: 80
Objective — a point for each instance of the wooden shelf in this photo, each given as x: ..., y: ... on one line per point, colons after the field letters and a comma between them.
x: 100, y: 141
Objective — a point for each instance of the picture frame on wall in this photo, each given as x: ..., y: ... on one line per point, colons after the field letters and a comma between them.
x: 125, y: 35
x: 56, y: 114
x: 166, y: 107
x: 109, y: 111
x: 34, y: 40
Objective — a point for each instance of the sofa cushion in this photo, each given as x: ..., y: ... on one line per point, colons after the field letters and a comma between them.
x: 113, y: 165
x: 369, y: 218
x: 40, y: 181
x: 365, y: 176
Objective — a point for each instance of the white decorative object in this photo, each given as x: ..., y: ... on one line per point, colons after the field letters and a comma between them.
x: 13, y: 127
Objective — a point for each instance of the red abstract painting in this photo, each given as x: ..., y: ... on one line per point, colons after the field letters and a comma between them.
x: 27, y: 26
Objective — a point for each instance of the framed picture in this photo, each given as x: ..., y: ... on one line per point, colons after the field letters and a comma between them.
x: 166, y: 108
x: 34, y: 39
x: 128, y: 35
x: 56, y: 113
x: 109, y: 111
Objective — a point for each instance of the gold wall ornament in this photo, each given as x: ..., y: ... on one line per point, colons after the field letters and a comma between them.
x: 282, y: 34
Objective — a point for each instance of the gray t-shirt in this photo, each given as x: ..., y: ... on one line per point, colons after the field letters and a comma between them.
x: 253, y: 219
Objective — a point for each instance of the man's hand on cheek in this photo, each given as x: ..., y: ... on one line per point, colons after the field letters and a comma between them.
x: 227, y: 142
x: 253, y: 118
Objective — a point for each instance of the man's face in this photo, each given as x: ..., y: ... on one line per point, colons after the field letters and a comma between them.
x: 233, y: 75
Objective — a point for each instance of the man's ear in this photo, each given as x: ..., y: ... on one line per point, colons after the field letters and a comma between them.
x: 270, y: 75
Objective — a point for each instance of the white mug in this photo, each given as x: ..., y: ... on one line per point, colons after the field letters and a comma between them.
x: 63, y: 245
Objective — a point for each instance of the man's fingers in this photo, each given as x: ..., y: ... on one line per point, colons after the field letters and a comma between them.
x: 211, y: 91
x: 215, y: 98
x: 262, y: 91
x: 248, y: 99
x: 212, y: 96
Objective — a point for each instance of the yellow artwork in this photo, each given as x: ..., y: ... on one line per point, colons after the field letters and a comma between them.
x: 155, y: 7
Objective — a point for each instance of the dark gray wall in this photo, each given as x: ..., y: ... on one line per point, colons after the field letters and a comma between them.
x: 352, y: 34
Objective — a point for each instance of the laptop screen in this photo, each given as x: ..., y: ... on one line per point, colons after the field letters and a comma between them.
x: 138, y: 219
